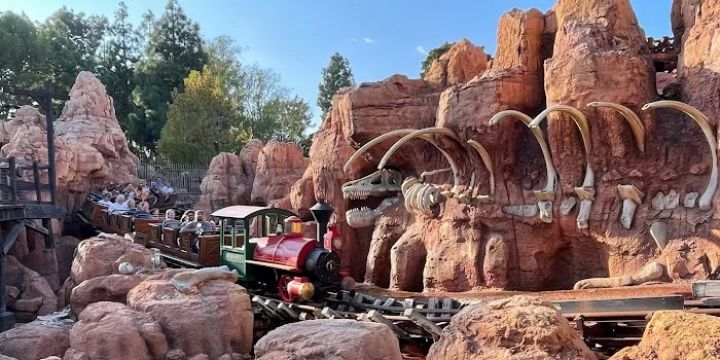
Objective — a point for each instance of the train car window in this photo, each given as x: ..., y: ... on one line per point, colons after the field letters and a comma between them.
x: 271, y: 224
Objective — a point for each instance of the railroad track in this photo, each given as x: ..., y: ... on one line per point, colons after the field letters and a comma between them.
x: 409, y: 319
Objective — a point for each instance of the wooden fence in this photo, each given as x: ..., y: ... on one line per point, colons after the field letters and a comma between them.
x: 185, y: 179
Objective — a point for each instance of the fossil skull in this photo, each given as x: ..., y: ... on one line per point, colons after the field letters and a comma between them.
x: 383, y: 183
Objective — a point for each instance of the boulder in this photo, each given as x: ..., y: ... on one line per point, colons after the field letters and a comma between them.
x: 103, y: 288
x: 65, y: 253
x: 329, y: 339
x: 101, y: 255
x: 35, y: 340
x: 520, y: 327
x: 279, y: 166
x: 35, y: 293
x: 110, y: 330
x: 216, y: 316
x: 676, y: 335
x: 458, y: 65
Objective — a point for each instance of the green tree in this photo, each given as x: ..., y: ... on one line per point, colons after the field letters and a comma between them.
x: 433, y: 55
x: 70, y: 42
x: 335, y: 76
x: 21, y: 58
x: 119, y: 54
x: 268, y: 111
x: 199, y: 120
x: 174, y: 49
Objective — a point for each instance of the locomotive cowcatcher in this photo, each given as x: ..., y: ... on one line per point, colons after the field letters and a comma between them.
x: 267, y: 247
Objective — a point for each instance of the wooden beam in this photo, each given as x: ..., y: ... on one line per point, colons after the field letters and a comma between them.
x: 9, y: 239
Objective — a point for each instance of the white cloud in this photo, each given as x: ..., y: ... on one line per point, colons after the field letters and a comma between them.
x: 368, y: 40
x: 421, y: 50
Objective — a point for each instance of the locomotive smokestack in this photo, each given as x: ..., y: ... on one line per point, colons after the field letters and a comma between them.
x: 321, y: 212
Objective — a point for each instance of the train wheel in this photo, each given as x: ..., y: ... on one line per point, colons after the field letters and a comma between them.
x: 282, y: 288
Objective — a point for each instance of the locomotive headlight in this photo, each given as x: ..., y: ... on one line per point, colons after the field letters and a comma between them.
x: 337, y: 243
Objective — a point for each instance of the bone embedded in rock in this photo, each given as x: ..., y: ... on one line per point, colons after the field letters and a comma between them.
x: 672, y: 200
x: 545, y: 199
x: 632, y: 197
x: 567, y: 204
x: 658, y: 231
x: 690, y: 200
x: 705, y: 202
x: 658, y: 202
x: 586, y: 195
x: 521, y: 210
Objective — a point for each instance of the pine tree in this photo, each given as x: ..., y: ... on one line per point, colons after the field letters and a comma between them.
x: 174, y: 48
x: 335, y: 76
x: 120, y: 54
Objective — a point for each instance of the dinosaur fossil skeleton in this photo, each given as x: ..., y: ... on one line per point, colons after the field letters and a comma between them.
x: 547, y: 194
x: 427, y: 135
x: 586, y: 191
x: 705, y: 202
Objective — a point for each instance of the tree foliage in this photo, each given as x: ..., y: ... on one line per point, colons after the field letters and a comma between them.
x: 174, y: 49
x: 335, y: 76
x: 433, y: 55
x: 199, y: 120
x: 118, y: 56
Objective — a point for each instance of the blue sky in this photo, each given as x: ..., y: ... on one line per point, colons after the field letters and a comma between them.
x: 379, y: 37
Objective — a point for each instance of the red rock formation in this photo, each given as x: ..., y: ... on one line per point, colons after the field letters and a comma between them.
x: 279, y: 166
x: 216, y: 317
x: 694, y: 23
x: 676, y: 335
x: 515, y: 328
x: 91, y: 149
x: 458, y: 65
x: 359, y: 115
x: 35, y: 340
x: 229, y: 179
x: 110, y: 330
x: 316, y: 339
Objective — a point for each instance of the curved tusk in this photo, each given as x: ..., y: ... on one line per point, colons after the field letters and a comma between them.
x: 705, y: 202
x: 632, y: 119
x: 582, y: 125
x: 549, y: 166
x: 487, y: 161
x: 373, y: 142
x: 426, y: 134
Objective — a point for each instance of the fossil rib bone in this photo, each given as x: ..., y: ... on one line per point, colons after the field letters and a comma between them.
x: 545, y: 196
x: 426, y: 134
x: 632, y: 119
x: 373, y: 142
x: 705, y: 202
x: 487, y: 161
x: 586, y: 192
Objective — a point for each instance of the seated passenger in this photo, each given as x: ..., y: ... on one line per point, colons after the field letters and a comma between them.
x: 170, y: 221
x: 119, y: 205
x: 187, y: 217
x: 105, y: 201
